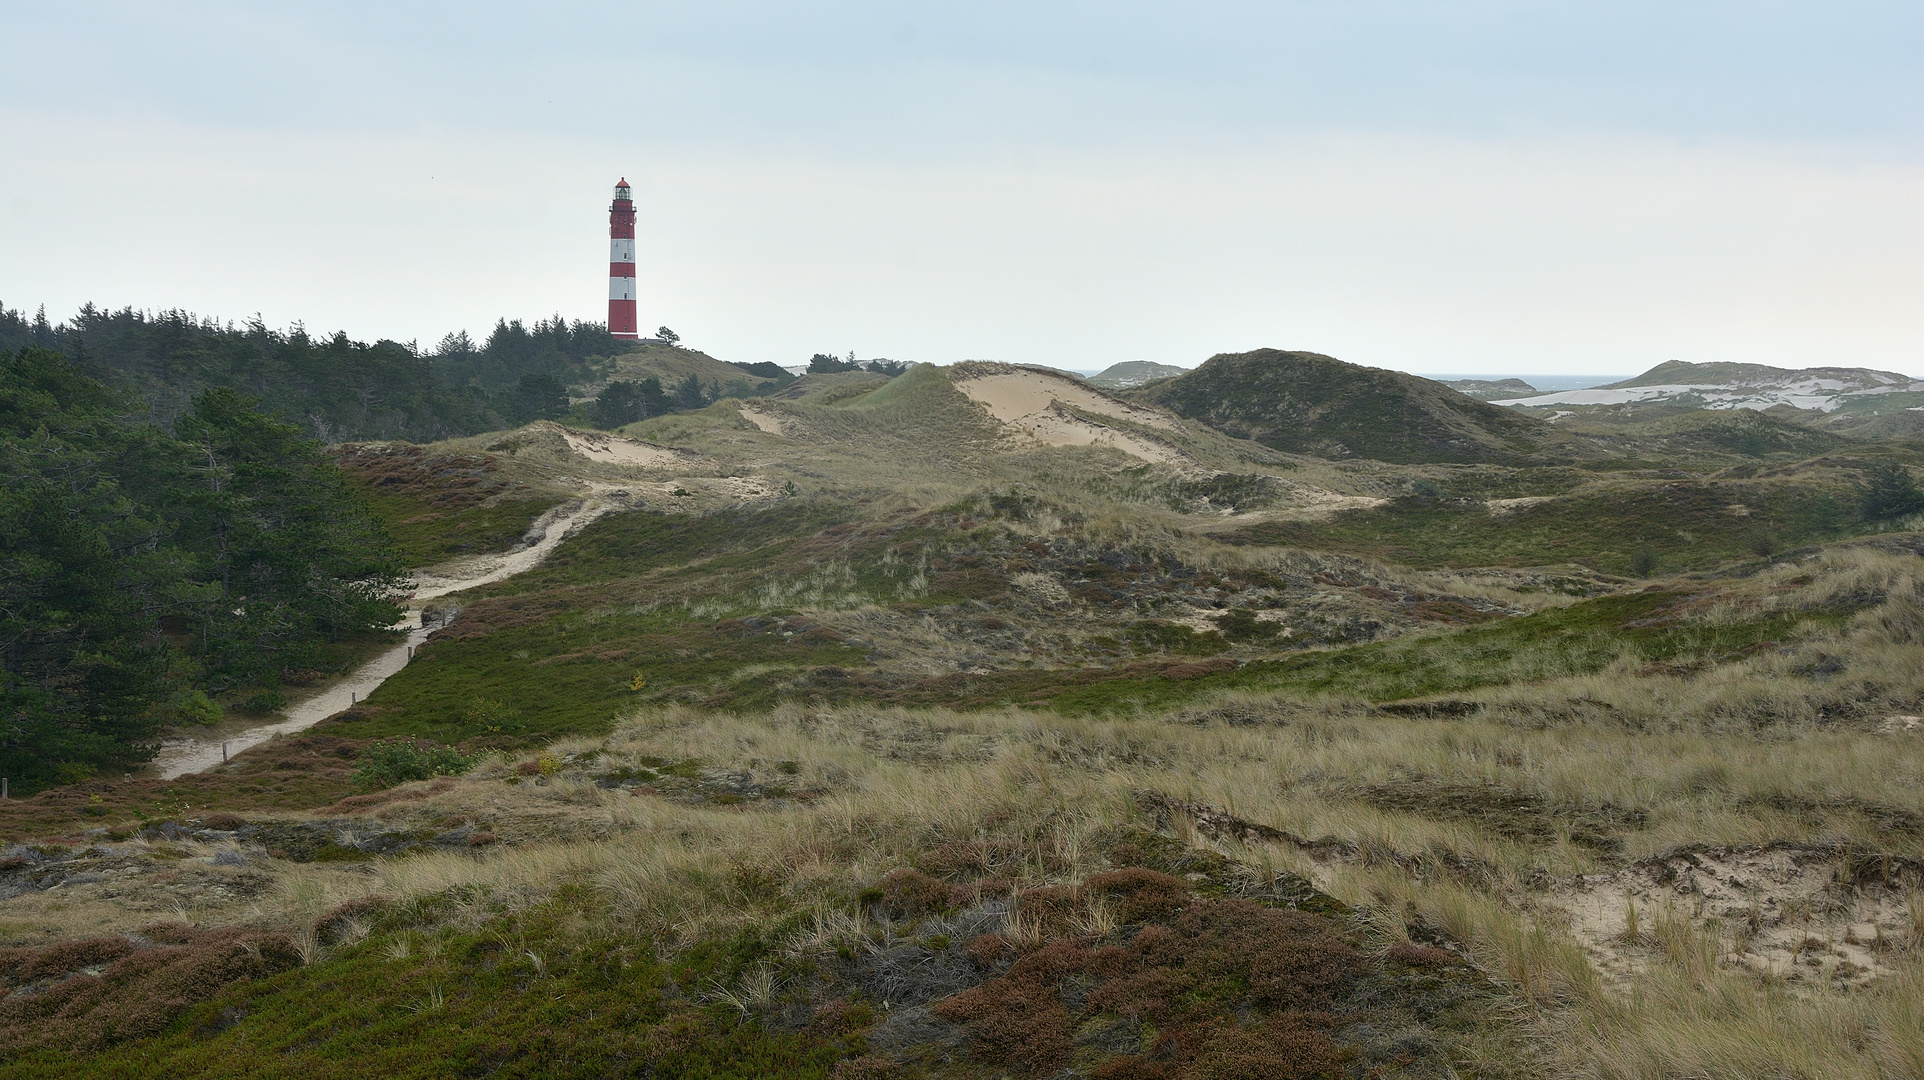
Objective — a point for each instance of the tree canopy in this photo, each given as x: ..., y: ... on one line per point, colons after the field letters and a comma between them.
x: 142, y: 568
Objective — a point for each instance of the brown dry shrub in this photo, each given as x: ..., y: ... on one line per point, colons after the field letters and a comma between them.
x: 838, y: 1016
x: 1139, y: 893
x: 1134, y: 1067
x: 1213, y: 959
x: 987, y: 949
x: 1420, y: 956
x: 1018, y: 1019
x: 141, y: 992
x: 330, y: 925
x: 959, y: 858
x: 482, y: 839
x: 865, y: 1068
x: 223, y: 822
x: 18, y: 966
x: 167, y: 933
x: 907, y: 893
x: 1052, y: 906
x: 1284, y: 1048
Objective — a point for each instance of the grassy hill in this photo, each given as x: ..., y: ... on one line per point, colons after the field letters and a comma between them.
x: 671, y: 364
x: 1678, y: 372
x: 1133, y: 373
x: 979, y: 723
x: 1307, y: 403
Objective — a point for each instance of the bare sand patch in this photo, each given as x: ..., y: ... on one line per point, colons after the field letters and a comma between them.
x: 1019, y: 393
x: 1789, y: 912
x: 1500, y: 507
x: 767, y: 422
x: 1302, y: 502
x: 620, y: 450
x: 1037, y: 406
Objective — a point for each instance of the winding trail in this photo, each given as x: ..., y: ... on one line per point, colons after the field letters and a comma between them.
x: 185, y: 754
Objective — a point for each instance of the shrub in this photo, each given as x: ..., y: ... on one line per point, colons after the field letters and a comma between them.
x: 1283, y: 1048
x: 266, y: 701
x: 396, y: 761
x: 140, y: 991
x: 1413, y: 955
x: 1156, y: 635
x: 195, y: 707
x: 1759, y: 542
x: 1644, y: 562
x: 1241, y: 624
x: 1889, y: 492
x: 1139, y: 893
x: 494, y: 717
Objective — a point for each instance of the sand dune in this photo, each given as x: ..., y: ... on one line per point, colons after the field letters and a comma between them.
x: 1032, y: 403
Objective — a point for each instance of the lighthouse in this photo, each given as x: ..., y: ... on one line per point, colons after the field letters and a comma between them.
x: 621, y: 264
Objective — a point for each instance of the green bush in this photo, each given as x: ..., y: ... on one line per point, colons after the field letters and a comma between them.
x: 195, y: 707
x: 1889, y: 492
x: 266, y: 701
x: 1644, y: 562
x: 494, y: 717
x: 388, y: 762
x: 1156, y: 635
x: 1241, y: 624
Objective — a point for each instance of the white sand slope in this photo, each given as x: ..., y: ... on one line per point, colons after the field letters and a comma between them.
x: 766, y: 421
x: 1015, y: 393
x: 619, y: 450
x: 1032, y: 402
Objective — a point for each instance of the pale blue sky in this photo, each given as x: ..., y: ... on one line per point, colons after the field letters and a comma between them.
x: 1463, y: 187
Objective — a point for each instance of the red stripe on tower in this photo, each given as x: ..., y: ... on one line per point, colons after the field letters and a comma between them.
x: 621, y: 264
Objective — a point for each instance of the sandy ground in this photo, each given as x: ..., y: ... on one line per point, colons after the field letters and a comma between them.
x: 1032, y: 403
x: 618, y: 450
x: 1505, y: 506
x: 767, y: 422
x: 187, y: 754
x: 1306, y: 502
x: 1780, y: 911
x: 1012, y: 395
x: 1785, y: 910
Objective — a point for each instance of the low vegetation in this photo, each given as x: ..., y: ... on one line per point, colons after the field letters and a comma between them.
x: 867, y: 736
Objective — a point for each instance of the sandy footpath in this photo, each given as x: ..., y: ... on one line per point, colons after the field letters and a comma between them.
x: 188, y: 754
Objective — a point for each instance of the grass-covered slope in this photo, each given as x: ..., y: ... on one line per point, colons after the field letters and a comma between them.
x: 671, y: 365
x: 866, y: 740
x: 1307, y: 403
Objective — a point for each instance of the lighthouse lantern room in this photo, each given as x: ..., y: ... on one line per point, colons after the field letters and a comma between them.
x: 621, y: 264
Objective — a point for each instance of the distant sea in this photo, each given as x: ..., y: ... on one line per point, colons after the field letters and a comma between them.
x: 1541, y: 382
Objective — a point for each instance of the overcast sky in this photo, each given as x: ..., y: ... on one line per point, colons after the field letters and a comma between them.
x: 1554, y: 187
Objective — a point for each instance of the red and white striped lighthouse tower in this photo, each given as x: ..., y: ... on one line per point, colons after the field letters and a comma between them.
x: 621, y: 264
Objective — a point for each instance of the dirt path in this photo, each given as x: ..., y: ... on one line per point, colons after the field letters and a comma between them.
x: 204, y: 750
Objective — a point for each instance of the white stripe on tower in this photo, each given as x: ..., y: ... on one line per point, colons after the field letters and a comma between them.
x: 622, y: 321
